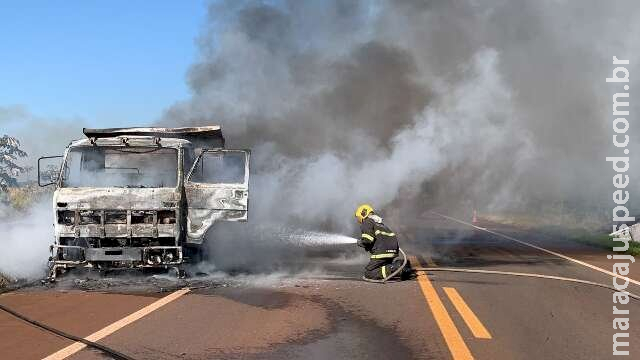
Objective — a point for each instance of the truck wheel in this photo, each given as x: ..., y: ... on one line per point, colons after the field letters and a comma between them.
x: 54, y: 272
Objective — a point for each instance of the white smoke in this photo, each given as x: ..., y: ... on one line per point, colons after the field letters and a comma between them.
x: 24, y: 243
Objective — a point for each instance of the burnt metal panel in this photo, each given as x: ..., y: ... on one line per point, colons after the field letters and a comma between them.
x: 217, y: 198
x: 114, y: 199
x: 201, y: 220
x: 113, y: 254
x: 200, y: 136
x: 209, y: 202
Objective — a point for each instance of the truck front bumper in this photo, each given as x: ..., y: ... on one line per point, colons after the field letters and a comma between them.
x: 116, y: 257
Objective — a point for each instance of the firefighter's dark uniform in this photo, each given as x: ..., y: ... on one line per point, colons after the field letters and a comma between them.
x: 382, y: 243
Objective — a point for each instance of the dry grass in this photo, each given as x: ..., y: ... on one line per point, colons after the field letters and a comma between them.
x: 21, y: 198
x: 16, y: 200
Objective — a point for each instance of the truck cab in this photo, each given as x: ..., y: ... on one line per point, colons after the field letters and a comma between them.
x: 143, y: 197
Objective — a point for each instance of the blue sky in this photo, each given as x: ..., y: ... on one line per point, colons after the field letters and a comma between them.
x: 111, y: 63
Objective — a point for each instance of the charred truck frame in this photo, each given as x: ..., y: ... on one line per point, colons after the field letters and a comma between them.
x: 142, y: 197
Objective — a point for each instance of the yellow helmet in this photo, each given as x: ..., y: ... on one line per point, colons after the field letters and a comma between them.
x: 363, y: 211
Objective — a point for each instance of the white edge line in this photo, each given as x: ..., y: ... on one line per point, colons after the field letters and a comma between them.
x: 532, y: 275
x: 110, y: 329
x: 593, y: 267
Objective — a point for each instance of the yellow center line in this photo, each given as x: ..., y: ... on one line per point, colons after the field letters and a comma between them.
x: 472, y: 321
x: 455, y: 343
x: 110, y: 329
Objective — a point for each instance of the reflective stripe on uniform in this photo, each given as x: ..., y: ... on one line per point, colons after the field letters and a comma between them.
x: 367, y: 236
x: 385, y: 233
x: 383, y: 256
x: 384, y: 271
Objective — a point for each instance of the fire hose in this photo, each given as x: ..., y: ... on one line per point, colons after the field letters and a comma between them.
x: 494, y: 272
x: 396, y: 272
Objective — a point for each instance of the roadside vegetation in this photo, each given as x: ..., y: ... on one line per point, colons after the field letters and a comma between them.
x: 10, y: 153
x: 585, y: 228
x: 17, y: 192
x: 16, y: 195
x: 16, y: 200
x: 582, y: 224
x: 606, y: 242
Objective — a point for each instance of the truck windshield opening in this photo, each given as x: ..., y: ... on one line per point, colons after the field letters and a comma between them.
x: 129, y: 167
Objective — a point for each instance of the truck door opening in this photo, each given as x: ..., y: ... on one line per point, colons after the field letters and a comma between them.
x: 217, y: 189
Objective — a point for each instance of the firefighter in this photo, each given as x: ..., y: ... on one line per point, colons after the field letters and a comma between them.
x: 380, y: 241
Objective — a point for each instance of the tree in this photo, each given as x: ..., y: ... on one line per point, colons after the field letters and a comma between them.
x: 9, y: 153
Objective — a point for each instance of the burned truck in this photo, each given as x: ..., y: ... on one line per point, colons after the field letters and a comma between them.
x: 142, y: 198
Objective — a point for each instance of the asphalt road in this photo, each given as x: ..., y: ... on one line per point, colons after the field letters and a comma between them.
x: 328, y: 313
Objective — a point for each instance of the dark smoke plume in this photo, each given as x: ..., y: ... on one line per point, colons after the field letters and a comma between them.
x: 497, y: 105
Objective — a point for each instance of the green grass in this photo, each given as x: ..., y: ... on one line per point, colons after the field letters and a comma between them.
x: 606, y: 242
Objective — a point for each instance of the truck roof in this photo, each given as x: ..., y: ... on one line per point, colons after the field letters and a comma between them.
x: 199, y: 135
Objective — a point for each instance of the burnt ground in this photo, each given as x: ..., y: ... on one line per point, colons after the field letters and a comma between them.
x: 323, y: 310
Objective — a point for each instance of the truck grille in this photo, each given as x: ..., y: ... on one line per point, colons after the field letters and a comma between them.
x: 98, y: 217
x: 111, y: 242
x: 115, y: 217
